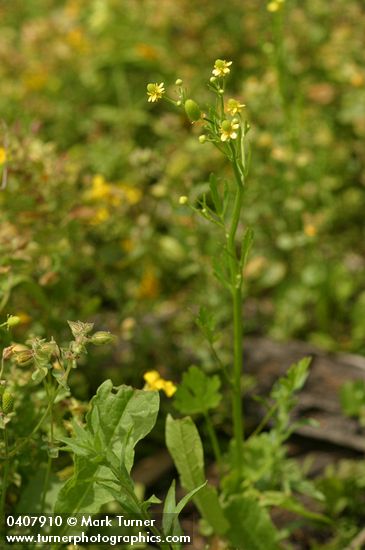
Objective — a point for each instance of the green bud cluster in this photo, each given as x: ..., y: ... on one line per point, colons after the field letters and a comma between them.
x: 7, y: 402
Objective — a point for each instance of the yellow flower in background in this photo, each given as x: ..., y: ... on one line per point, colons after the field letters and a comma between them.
x: 149, y: 287
x: 35, y: 80
x: 221, y: 67
x: 100, y: 216
x: 77, y: 39
x: 155, y: 91
x: 155, y: 382
x: 229, y: 130
x: 3, y: 156
x: 275, y: 5
x: 133, y: 195
x: 234, y: 106
x: 310, y: 230
x: 146, y: 51
x: 24, y: 318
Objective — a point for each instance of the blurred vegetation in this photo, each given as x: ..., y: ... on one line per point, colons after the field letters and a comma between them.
x: 90, y: 224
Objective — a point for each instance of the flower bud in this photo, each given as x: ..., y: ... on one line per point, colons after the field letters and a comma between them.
x: 183, y: 199
x: 7, y: 402
x: 100, y: 338
x: 202, y: 138
x: 178, y: 82
x: 192, y: 110
x: 23, y: 358
x: 13, y: 320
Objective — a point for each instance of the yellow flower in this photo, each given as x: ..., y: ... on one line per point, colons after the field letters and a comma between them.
x: 234, y: 106
x: 132, y: 194
x: 24, y: 318
x: 149, y: 286
x: 3, y: 156
x: 229, y: 130
x: 155, y: 382
x: 101, y: 215
x: 155, y: 91
x: 221, y: 67
x: 275, y: 5
x: 310, y: 230
x: 100, y: 189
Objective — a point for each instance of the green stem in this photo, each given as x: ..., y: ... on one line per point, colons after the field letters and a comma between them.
x: 236, y: 281
x: 214, y: 441
x: 17, y: 448
x: 51, y: 395
x: 5, y: 479
x: 264, y: 421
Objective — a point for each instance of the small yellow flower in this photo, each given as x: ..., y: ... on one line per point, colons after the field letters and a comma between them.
x: 155, y: 91
x: 100, y: 216
x: 275, y: 5
x: 149, y: 286
x: 183, y: 199
x: 310, y: 230
x: 24, y: 318
x: 221, y: 67
x: 234, y: 106
x: 100, y: 189
x: 155, y: 382
x: 229, y: 130
x: 3, y: 156
x: 133, y: 195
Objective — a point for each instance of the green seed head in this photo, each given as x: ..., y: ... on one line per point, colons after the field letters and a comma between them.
x: 192, y: 110
x: 151, y: 87
x: 102, y: 337
x: 7, y: 402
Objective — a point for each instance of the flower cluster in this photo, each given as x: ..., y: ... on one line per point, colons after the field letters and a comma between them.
x: 219, y: 127
x: 155, y: 382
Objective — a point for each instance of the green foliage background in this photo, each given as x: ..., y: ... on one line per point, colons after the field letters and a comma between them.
x: 90, y: 225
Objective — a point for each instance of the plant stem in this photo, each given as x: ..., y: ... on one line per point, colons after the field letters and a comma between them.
x: 50, y: 445
x: 214, y: 441
x: 5, y: 479
x: 17, y: 448
x: 236, y: 282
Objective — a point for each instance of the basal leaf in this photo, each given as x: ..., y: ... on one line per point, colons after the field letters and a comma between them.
x: 198, y: 393
x: 185, y: 446
x: 251, y: 527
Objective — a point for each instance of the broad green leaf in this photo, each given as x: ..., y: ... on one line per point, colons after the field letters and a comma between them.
x: 118, y: 419
x: 251, y: 527
x: 198, y: 393
x: 185, y: 446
